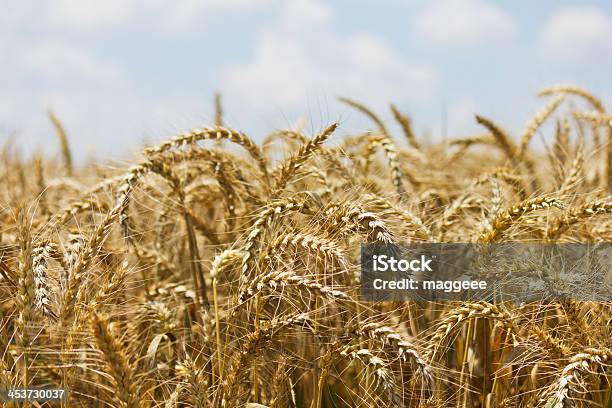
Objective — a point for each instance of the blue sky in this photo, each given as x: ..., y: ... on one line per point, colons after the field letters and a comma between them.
x: 118, y: 72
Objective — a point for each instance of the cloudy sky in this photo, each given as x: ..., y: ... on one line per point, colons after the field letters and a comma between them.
x: 119, y: 72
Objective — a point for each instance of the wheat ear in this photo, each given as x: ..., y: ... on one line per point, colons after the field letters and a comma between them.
x: 278, y: 280
x: 272, y: 211
x: 384, y: 378
x: 536, y: 121
x: 229, y: 395
x: 26, y: 296
x: 63, y: 138
x: 586, y: 211
x: 40, y: 256
x: 452, y: 319
x: 404, y: 349
x: 366, y: 111
x: 352, y: 217
x: 219, y: 133
x: 406, y: 125
x: 326, y: 248
x: 422, y: 230
x: 289, y: 168
x: 561, y: 148
x: 501, y: 137
x: 89, y: 252
x: 391, y: 154
x: 570, y: 384
x: 117, y: 362
x: 513, y: 214
x: 574, y: 90
x: 218, y: 110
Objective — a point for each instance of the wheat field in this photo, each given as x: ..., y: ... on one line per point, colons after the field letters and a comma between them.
x: 221, y: 272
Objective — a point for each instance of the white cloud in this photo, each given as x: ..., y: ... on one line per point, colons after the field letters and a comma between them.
x: 462, y: 22
x: 279, y: 73
x: 295, y: 60
x: 306, y: 10
x: 88, y: 14
x: 34, y: 15
x: 56, y: 60
x: 380, y: 72
x: 94, y: 96
x: 573, y: 32
x: 82, y: 15
x: 91, y: 95
x: 179, y: 16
